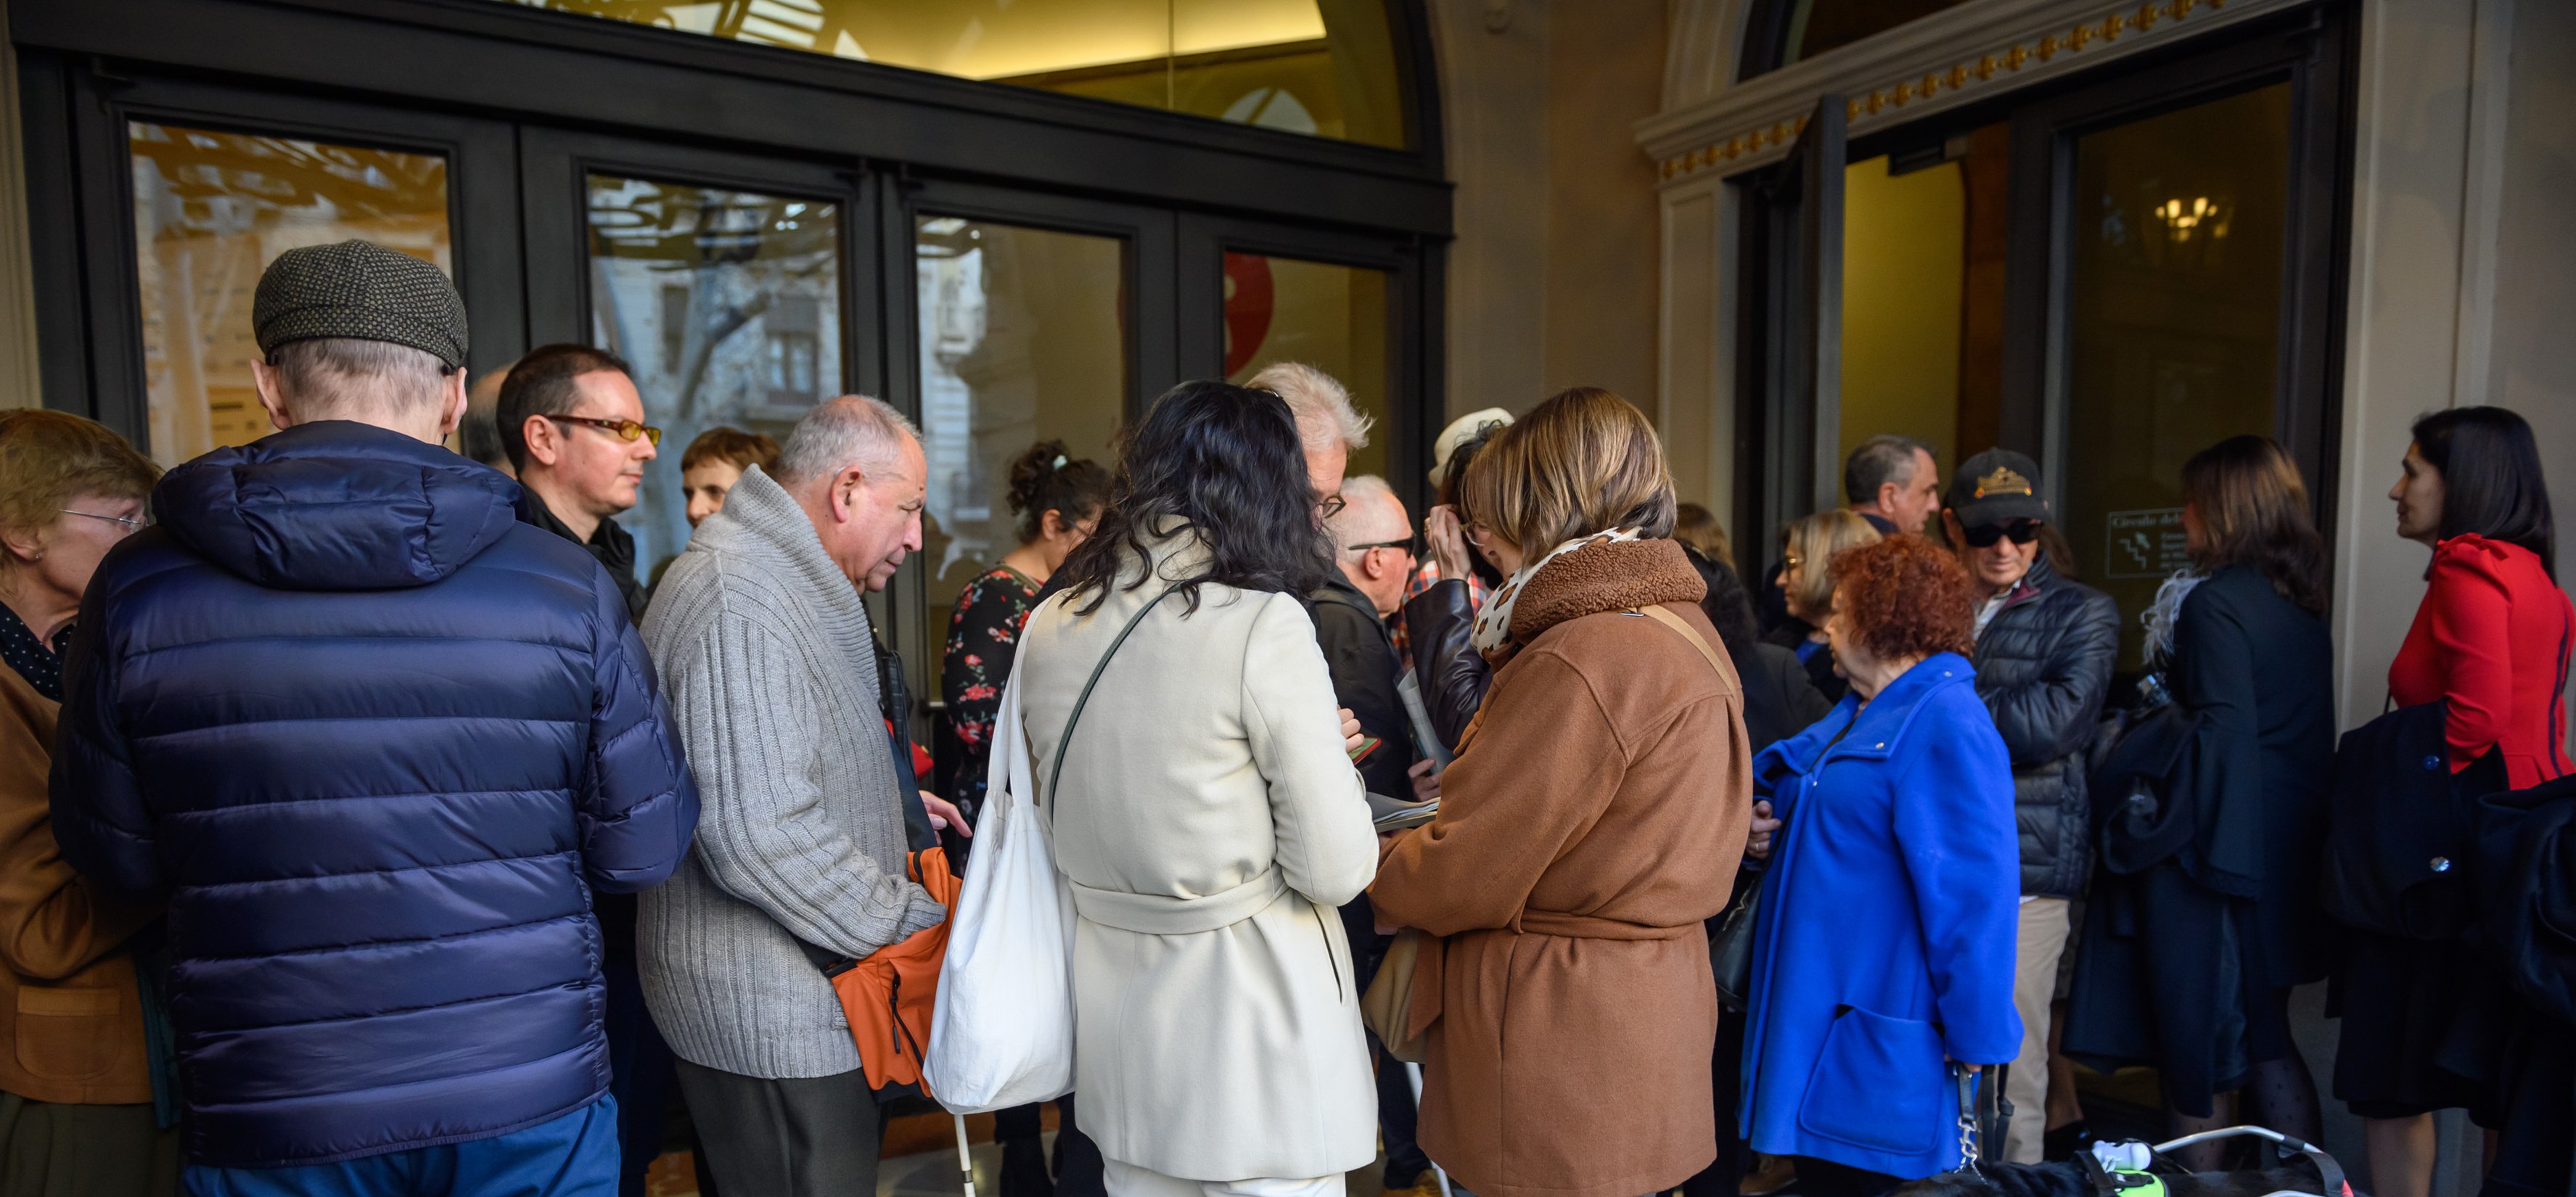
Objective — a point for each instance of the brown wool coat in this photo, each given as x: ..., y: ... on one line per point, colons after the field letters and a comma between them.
x: 71, y: 1021
x: 1593, y: 819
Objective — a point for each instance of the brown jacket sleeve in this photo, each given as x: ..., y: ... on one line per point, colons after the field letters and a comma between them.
x: 1535, y: 777
x: 52, y: 923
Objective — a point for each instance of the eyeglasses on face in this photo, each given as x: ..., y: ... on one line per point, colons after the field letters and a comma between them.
x: 624, y: 430
x: 133, y: 523
x: 1984, y: 536
x: 1410, y: 544
x: 1331, y: 505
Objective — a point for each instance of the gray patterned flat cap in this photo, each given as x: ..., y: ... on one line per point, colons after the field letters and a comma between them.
x: 363, y: 291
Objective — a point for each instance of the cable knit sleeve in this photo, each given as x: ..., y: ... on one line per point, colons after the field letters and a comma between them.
x: 749, y: 713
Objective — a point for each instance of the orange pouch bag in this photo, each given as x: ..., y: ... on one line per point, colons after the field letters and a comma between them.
x: 888, y: 996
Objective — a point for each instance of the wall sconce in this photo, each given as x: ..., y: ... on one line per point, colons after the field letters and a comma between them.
x: 2183, y: 220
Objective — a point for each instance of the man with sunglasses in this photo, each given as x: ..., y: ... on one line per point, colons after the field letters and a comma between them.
x: 2045, y: 648
x: 574, y: 427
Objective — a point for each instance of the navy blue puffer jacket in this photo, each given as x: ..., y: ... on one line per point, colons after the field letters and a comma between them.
x: 375, y: 741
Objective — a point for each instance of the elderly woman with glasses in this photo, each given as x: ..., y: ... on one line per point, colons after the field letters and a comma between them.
x: 1805, y: 546
x: 76, y: 1091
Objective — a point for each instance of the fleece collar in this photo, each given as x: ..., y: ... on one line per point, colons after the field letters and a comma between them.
x: 1615, y: 576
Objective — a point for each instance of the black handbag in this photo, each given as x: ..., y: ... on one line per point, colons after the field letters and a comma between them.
x: 1730, y: 950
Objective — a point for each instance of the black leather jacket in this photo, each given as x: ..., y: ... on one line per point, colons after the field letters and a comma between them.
x: 1452, y: 674
x: 2043, y: 665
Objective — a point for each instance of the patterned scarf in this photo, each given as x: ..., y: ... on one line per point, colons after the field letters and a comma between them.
x: 1494, y: 621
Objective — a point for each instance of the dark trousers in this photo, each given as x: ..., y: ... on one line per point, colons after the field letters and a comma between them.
x: 799, y: 1137
x: 1726, y: 1082
x: 51, y: 1150
x: 1825, y: 1178
x: 639, y: 1062
x: 1398, y: 1119
x: 1077, y: 1170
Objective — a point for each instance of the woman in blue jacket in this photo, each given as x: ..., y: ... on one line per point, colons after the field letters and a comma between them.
x: 1885, y: 943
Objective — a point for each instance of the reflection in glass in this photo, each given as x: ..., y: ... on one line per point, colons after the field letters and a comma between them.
x: 1904, y: 257
x: 211, y: 210
x: 1330, y: 317
x: 1326, y: 68
x: 728, y: 306
x: 1023, y: 339
x: 2174, y: 324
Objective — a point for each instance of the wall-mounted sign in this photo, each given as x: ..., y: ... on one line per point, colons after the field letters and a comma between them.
x: 2145, y: 544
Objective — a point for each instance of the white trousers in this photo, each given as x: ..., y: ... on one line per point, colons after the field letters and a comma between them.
x: 1128, y: 1180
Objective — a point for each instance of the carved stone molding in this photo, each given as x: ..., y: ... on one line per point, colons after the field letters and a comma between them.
x: 1974, y: 51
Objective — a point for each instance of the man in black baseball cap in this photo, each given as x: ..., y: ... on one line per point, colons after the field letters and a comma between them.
x: 2045, y: 648
x: 376, y: 743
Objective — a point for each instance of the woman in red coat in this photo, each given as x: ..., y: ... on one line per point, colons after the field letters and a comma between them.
x: 2491, y: 641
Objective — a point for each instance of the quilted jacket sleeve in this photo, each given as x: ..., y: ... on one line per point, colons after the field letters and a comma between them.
x: 2052, y: 709
x: 99, y: 817
x: 639, y: 806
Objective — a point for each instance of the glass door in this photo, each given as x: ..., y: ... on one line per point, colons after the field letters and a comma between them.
x: 217, y: 182
x: 725, y: 282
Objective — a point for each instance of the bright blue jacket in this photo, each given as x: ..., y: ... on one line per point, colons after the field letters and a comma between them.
x: 375, y: 742
x: 1887, y: 926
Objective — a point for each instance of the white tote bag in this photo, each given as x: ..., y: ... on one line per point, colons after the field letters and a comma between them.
x: 1002, y: 1032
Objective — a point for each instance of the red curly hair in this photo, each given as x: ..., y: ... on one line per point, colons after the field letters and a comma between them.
x: 1905, y: 596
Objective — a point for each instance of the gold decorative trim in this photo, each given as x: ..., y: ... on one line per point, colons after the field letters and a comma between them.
x: 1984, y: 69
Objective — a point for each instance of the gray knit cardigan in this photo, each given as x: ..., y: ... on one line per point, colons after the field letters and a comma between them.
x: 769, y: 666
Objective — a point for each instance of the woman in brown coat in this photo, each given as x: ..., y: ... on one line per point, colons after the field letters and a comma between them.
x: 1592, y: 820
x: 75, y: 1094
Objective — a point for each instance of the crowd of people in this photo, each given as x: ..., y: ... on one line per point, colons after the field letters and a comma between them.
x: 368, y: 825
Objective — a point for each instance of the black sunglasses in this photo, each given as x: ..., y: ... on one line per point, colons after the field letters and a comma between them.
x: 1984, y: 536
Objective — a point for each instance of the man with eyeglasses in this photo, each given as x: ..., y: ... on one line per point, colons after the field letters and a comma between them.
x: 2045, y: 648
x: 1374, y: 547
x: 574, y: 427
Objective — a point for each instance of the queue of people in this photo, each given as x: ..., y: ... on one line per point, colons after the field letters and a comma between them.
x: 371, y: 827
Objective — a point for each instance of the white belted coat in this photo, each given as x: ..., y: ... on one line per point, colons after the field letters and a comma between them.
x: 1209, y: 821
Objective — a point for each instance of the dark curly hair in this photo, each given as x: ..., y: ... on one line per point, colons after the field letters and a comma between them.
x: 1224, y: 462
x: 1048, y: 477
x: 1905, y: 596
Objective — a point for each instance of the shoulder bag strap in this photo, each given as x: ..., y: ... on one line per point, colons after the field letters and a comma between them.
x: 1065, y: 741
x: 1668, y: 619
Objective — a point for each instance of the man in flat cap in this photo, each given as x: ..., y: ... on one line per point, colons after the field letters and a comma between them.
x: 376, y: 743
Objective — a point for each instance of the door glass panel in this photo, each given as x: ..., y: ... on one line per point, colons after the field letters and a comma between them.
x: 211, y: 210
x: 727, y: 304
x: 2173, y: 325
x: 1024, y: 337
x: 1325, y: 68
x: 1330, y: 317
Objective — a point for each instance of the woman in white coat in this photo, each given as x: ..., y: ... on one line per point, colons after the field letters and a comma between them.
x: 1207, y: 815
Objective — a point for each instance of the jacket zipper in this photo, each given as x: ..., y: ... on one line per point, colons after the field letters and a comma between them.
x: 1327, y: 936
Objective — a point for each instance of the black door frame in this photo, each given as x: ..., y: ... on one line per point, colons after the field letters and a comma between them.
x: 2312, y: 48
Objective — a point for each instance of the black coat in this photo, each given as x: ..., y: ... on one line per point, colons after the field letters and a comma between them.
x: 1364, y: 667
x: 2043, y: 665
x: 1791, y: 633
x: 1779, y: 700
x: 1452, y: 674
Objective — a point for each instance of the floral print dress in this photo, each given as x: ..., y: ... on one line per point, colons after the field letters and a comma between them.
x: 983, y: 636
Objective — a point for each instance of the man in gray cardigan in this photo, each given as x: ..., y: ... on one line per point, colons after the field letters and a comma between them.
x: 769, y: 664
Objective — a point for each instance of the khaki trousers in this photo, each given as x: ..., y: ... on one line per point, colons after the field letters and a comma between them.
x: 2042, y: 939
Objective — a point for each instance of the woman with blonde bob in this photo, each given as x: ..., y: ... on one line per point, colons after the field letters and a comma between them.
x: 1805, y: 546
x: 1590, y: 823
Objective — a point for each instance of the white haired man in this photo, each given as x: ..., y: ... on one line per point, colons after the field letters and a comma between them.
x: 768, y: 660
x: 1326, y: 422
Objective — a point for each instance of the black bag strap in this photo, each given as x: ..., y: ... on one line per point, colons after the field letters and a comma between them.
x: 1065, y: 741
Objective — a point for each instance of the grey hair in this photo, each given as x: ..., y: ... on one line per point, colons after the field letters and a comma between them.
x: 1370, y: 512
x: 324, y: 377
x: 1878, y: 461
x: 853, y: 430
x: 1320, y: 402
